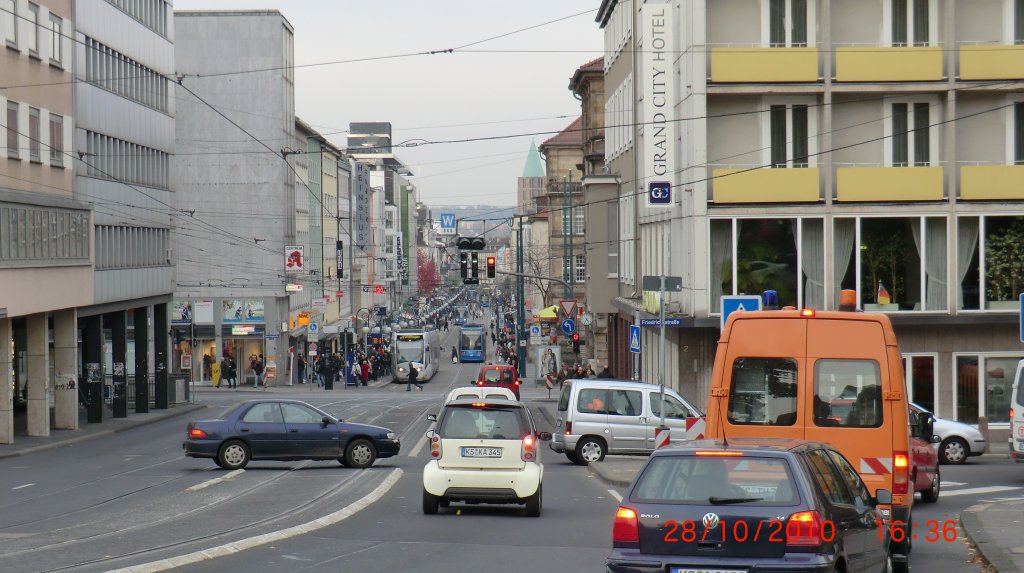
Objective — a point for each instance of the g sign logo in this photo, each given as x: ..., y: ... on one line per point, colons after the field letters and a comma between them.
x: 710, y: 521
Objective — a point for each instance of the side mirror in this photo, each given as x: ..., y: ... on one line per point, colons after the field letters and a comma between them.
x: 544, y: 436
x: 883, y: 497
x: 432, y: 417
x: 925, y: 427
x: 935, y: 439
x: 327, y: 420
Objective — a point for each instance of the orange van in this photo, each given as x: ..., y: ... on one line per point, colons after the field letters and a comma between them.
x: 832, y: 377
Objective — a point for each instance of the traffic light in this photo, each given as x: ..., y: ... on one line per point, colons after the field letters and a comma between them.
x: 575, y: 343
x: 476, y: 266
x: 470, y: 243
x: 490, y: 267
x: 464, y: 264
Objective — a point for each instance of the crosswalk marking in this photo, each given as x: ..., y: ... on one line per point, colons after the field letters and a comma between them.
x: 979, y: 490
x: 952, y: 483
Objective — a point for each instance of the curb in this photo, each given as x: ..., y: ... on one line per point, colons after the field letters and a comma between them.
x: 544, y: 412
x: 172, y: 413
x: 990, y: 552
x: 599, y: 474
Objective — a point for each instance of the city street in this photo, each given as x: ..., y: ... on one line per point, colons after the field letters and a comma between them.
x: 133, y: 499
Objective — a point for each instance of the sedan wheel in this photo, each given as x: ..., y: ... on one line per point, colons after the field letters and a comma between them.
x: 590, y: 450
x: 360, y: 454
x: 931, y: 495
x: 953, y: 451
x: 233, y: 455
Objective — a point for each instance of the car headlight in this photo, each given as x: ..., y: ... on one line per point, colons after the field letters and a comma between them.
x: 392, y: 436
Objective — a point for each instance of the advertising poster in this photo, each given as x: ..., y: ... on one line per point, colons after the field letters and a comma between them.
x: 294, y: 259
x: 238, y: 311
x: 181, y: 312
x: 203, y: 311
x: 361, y: 200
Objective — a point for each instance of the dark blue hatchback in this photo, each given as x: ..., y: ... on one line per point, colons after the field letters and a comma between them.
x: 286, y: 430
x: 749, y: 506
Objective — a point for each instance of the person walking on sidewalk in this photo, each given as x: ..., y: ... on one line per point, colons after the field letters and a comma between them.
x: 413, y: 373
x: 365, y: 372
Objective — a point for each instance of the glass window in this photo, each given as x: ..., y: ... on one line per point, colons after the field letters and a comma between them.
x: 626, y: 403
x: 1004, y: 262
x: 763, y: 392
x: 592, y: 401
x: 56, y: 39
x: 33, y: 28
x: 696, y: 479
x: 921, y: 380
x: 778, y: 133
x: 861, y: 496
x: 1018, y: 25
x: 580, y: 221
x: 499, y: 423
x: 613, y: 237
x: 56, y: 140
x: 899, y: 22
x: 967, y: 389
x: 1018, y: 114
x: 299, y: 414
x: 8, y: 21
x: 777, y: 23
x: 12, y: 128
x: 720, y: 255
x: 907, y: 119
x: 999, y: 373
x: 847, y: 393
x: 778, y: 35
x: 266, y: 413
x: 33, y: 134
x: 829, y: 478
x: 673, y: 407
x: 766, y: 258
x: 581, y: 268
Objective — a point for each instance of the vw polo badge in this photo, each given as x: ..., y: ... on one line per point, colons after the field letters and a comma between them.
x: 710, y: 521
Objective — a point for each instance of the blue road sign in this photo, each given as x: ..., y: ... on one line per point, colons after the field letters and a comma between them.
x: 568, y: 326
x: 1022, y: 317
x: 659, y: 193
x: 534, y: 330
x: 731, y: 304
x: 669, y: 322
x: 634, y: 339
x: 448, y: 223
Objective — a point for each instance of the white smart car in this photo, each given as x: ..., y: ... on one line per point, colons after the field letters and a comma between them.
x: 484, y: 451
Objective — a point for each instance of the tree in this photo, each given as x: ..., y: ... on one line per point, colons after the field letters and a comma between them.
x: 427, y: 273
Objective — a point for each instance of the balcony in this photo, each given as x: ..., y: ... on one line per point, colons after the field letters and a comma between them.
x: 889, y: 64
x: 791, y: 185
x: 992, y: 62
x: 991, y: 182
x: 887, y: 184
x: 764, y: 65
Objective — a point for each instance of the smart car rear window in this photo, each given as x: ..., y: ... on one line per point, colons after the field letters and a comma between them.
x: 699, y: 480
x: 483, y: 422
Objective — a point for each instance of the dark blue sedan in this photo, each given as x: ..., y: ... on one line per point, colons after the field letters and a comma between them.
x: 286, y: 430
x: 751, y: 505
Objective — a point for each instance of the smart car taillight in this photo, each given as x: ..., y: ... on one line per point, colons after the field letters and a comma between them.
x: 900, y: 473
x: 196, y: 433
x: 529, y: 448
x: 626, y: 529
x: 435, y: 447
x: 804, y: 529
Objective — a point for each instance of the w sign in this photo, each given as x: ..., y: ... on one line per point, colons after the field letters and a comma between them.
x: 448, y: 224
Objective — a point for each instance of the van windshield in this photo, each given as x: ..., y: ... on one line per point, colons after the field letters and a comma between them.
x: 763, y: 392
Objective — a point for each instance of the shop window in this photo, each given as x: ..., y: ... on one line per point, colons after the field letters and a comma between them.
x: 990, y: 262
x: 967, y: 389
x: 919, y: 372
x: 999, y: 373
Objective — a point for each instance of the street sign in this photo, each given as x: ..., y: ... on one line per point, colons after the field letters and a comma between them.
x: 568, y: 326
x: 568, y: 307
x: 313, y: 331
x: 319, y: 304
x: 659, y: 193
x: 272, y: 336
x: 313, y: 347
x: 634, y: 339
x: 448, y: 224
x: 669, y: 322
x: 672, y: 284
x: 743, y: 302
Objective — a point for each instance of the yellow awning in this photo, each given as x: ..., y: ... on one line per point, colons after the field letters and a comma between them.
x: 549, y: 312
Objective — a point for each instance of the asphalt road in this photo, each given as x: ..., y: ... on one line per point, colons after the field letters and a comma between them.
x: 132, y: 499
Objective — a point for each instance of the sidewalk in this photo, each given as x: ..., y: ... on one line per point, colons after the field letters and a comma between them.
x: 24, y: 444
x: 995, y: 531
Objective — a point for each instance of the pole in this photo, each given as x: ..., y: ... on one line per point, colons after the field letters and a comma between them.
x: 520, y: 302
x: 572, y: 259
x: 661, y: 373
x: 636, y: 355
x: 566, y: 262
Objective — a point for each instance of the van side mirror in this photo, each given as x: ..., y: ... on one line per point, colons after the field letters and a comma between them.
x: 883, y: 497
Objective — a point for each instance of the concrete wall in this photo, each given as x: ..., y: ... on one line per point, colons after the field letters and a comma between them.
x: 735, y: 22
x: 857, y: 22
x: 982, y: 138
x: 980, y: 21
x: 854, y: 121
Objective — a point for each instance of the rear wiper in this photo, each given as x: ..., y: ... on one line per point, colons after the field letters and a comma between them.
x: 729, y: 500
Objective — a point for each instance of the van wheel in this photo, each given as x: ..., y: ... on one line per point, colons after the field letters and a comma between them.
x: 953, y: 451
x: 590, y: 450
x: 931, y: 495
x: 572, y: 457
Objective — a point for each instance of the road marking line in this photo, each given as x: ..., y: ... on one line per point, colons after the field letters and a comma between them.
x: 616, y: 495
x: 978, y: 490
x: 952, y: 483
x: 419, y: 446
x: 21, y: 486
x: 272, y: 537
x: 216, y: 481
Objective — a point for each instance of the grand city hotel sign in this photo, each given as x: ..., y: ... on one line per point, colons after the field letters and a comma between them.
x: 659, y: 102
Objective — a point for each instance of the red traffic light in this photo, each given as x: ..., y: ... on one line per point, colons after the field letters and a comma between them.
x: 491, y: 260
x: 575, y: 337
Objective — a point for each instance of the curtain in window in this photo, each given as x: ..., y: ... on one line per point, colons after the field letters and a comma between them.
x: 921, y: 22
x: 799, y: 16
x: 777, y: 23
x: 812, y: 260
x: 966, y: 241
x: 899, y: 22
x: 800, y: 151
x: 721, y: 256
x: 934, y: 260
x: 778, y: 135
x: 900, y: 143
x: 843, y: 236
x: 921, y: 136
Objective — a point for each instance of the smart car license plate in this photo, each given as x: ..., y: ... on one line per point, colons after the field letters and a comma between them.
x: 481, y: 452
x: 691, y: 570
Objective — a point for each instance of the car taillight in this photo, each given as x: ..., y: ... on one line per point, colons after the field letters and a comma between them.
x: 804, y: 529
x: 568, y: 428
x: 518, y: 382
x: 626, y: 529
x: 196, y: 433
x: 435, y: 447
x: 1011, y: 413
x: 529, y: 448
x: 900, y: 473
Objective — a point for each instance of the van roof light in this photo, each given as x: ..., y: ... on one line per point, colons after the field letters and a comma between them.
x: 770, y: 300
x: 807, y: 312
x: 848, y: 300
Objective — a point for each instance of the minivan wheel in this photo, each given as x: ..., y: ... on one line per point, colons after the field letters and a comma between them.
x: 572, y: 457
x: 590, y: 450
x: 953, y: 451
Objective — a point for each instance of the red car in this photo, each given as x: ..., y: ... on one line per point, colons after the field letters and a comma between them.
x: 924, y: 469
x: 500, y: 375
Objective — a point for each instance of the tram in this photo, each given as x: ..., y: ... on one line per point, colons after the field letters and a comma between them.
x: 420, y: 346
x: 472, y: 343
x: 461, y: 314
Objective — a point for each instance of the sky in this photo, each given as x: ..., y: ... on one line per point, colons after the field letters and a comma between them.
x: 510, y: 86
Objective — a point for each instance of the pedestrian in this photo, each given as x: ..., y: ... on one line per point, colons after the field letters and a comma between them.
x: 365, y: 366
x: 356, y: 372
x: 258, y: 371
x: 562, y: 375
x: 301, y: 369
x: 413, y: 373
x: 455, y: 355
x: 605, y: 373
x: 589, y: 372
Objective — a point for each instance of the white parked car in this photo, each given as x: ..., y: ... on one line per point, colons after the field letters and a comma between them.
x: 481, y: 393
x: 959, y: 441
x: 484, y: 451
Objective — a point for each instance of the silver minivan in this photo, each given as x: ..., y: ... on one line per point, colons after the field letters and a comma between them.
x: 597, y: 417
